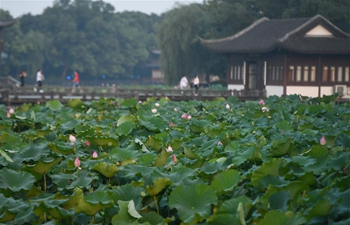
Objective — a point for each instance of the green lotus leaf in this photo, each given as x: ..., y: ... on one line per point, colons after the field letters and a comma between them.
x: 147, y: 159
x: 154, y: 124
x: 321, y: 208
x: 128, y: 102
x: 79, y: 204
x: 122, y: 154
x: 16, y: 181
x: 279, y: 200
x: 154, y: 143
x: 5, y: 155
x: 197, y: 126
x: 193, y: 203
x: 281, y: 218
x: 62, y: 180
x: 60, y: 213
x: 284, y: 125
x: 84, y: 180
x: 104, y: 141
x: 43, y: 165
x: 126, y: 193
x: 125, y: 128
x: 152, y: 218
x: 98, y: 197
x: 75, y: 103
x: 162, y: 158
x: 230, y: 206
x: 224, y: 219
x: 123, y: 217
x: 25, y: 217
x: 68, y: 126
x: 62, y: 148
x: 158, y: 185
x: 125, y: 118
x: 7, y: 216
x: 107, y: 170
x: 280, y: 147
x: 267, y: 168
x: 226, y: 180
x: 189, y: 153
x: 180, y: 175
x: 54, y: 105
x: 34, y: 152
x: 243, y: 156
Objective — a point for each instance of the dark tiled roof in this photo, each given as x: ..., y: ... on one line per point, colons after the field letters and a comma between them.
x: 266, y: 35
x: 6, y: 23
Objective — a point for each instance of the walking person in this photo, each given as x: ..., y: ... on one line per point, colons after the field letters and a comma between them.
x: 196, y: 83
x: 184, y: 83
x: 39, y: 81
x: 76, y: 82
x: 22, y: 75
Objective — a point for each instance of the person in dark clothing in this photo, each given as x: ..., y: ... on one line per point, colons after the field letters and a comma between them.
x: 22, y: 75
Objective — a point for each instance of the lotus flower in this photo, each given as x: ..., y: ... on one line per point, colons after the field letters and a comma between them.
x: 94, y: 155
x: 11, y: 111
x: 323, y: 140
x: 184, y: 116
x: 261, y: 102
x: 154, y: 110
x: 175, y: 109
x: 219, y: 143
x: 189, y: 117
x: 8, y: 114
x: 72, y: 139
x: 173, y: 157
x: 264, y: 109
x: 77, y: 162
x: 227, y: 106
x: 87, y: 143
x: 169, y: 149
x: 140, y: 102
x: 156, y: 104
x: 171, y: 124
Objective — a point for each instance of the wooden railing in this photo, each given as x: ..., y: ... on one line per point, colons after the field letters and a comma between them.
x: 63, y: 94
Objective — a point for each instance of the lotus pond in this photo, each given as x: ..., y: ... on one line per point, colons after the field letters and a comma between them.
x: 119, y: 161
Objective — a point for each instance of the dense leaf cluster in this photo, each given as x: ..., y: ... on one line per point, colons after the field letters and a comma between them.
x: 224, y: 162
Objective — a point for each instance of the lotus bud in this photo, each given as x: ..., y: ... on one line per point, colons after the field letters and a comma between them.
x: 184, y: 116
x: 72, y: 139
x: 261, y: 102
x: 169, y: 149
x: 87, y: 143
x: 219, y: 143
x: 156, y: 104
x: 77, y: 162
x: 189, y: 117
x: 94, y: 155
x: 227, y: 106
x: 265, y: 109
x: 323, y: 140
x: 173, y: 157
x: 171, y: 124
x: 11, y: 111
x: 154, y: 110
x: 175, y: 109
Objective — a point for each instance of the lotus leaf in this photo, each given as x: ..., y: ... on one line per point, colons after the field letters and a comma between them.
x: 193, y: 203
x: 281, y: 218
x: 16, y: 181
x: 158, y: 185
x: 226, y: 180
x: 54, y: 105
x: 108, y: 170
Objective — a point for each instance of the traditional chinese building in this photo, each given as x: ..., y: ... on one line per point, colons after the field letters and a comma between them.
x: 306, y: 56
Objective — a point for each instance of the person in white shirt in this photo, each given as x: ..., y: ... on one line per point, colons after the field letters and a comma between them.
x: 183, y: 83
x: 196, y: 83
x: 39, y: 80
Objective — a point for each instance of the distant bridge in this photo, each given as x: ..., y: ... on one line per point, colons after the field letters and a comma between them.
x: 14, y: 95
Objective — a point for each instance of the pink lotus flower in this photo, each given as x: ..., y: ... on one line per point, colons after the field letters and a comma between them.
x: 8, y: 115
x: 169, y: 149
x: 323, y: 140
x: 77, y: 162
x: 171, y: 124
x: 173, y: 157
x: 175, y: 109
x: 140, y: 102
x: 184, y: 116
x: 11, y: 111
x: 264, y: 109
x: 72, y: 139
x: 94, y: 155
x: 87, y: 143
x: 189, y: 117
x: 219, y: 143
x: 227, y: 106
x: 261, y: 102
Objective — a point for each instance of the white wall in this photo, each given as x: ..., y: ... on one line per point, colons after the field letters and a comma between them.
x: 237, y: 87
x: 327, y: 90
x: 311, y: 91
x: 273, y: 90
